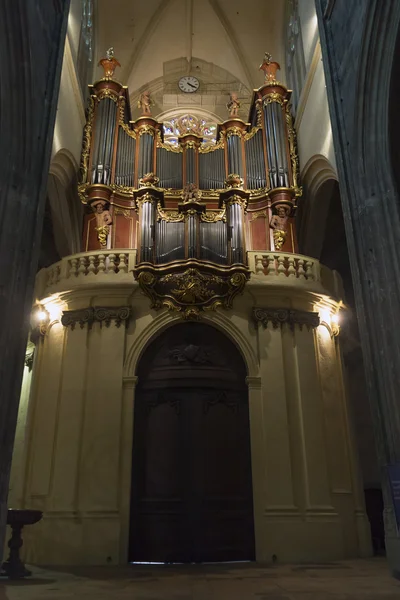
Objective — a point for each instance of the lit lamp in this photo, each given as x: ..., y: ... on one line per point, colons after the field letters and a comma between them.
x: 329, y: 319
x: 40, y: 320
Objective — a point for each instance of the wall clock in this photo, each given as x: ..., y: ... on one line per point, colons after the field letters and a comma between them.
x: 188, y: 84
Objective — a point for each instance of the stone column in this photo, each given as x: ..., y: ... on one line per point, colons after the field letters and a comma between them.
x: 358, y: 79
x: 31, y: 43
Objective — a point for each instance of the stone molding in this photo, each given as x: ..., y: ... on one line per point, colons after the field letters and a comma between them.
x: 280, y: 316
x: 96, y: 314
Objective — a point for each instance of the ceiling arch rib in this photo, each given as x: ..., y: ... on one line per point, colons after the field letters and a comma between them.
x: 140, y: 47
x: 233, y: 41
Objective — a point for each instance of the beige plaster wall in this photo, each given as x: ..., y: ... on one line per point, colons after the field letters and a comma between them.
x: 307, y: 498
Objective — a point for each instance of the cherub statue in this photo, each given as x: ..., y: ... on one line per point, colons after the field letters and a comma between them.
x: 103, y: 221
x: 145, y: 103
x: 110, y: 53
x: 279, y: 224
x: 233, y: 105
x: 190, y: 193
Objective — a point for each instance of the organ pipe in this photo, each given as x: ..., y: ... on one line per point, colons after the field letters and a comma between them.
x: 255, y: 161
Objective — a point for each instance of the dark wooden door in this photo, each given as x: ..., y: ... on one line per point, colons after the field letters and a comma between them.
x: 191, y: 471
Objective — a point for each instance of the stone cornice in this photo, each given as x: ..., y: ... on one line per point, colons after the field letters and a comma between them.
x: 99, y: 314
x: 280, y: 316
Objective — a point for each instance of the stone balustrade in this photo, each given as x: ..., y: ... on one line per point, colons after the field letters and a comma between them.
x: 101, y: 267
x: 86, y: 268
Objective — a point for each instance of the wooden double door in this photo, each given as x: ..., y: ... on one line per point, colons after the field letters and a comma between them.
x: 191, y: 469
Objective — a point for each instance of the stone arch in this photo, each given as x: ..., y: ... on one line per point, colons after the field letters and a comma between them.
x: 320, y: 182
x: 165, y: 320
x: 65, y: 208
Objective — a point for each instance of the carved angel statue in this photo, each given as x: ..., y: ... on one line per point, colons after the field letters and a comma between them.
x: 103, y: 221
x: 279, y: 225
x: 233, y: 105
x: 110, y: 53
x: 145, y: 103
x: 190, y: 193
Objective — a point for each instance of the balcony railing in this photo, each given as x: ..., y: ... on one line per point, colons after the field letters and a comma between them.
x: 104, y: 268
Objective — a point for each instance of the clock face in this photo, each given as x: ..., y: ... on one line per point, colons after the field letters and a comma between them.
x: 189, y: 84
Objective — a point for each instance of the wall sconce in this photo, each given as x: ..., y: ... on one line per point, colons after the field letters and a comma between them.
x: 329, y: 319
x: 40, y: 320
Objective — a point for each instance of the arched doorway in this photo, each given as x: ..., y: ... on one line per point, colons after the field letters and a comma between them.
x: 191, y: 471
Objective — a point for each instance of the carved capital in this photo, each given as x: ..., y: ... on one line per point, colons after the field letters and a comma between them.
x: 280, y: 316
x: 99, y: 314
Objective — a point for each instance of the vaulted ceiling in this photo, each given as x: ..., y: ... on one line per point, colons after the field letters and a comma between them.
x: 222, y: 42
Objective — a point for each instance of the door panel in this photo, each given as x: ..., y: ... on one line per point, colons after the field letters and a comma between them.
x: 191, y: 469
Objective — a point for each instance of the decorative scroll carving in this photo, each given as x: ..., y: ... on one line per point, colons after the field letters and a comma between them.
x: 99, y: 314
x: 280, y: 316
x: 252, y: 132
x: 122, y: 189
x: 294, y: 157
x: 258, y: 214
x: 191, y: 290
x: 212, y: 216
x: 231, y: 401
x: 172, y: 216
x: 87, y: 136
x: 161, y: 398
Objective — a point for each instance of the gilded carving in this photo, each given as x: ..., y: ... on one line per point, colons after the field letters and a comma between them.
x: 279, y: 224
x: 281, y: 316
x: 100, y: 314
x: 103, y: 221
x: 122, y: 189
x: 294, y: 157
x: 109, y: 64
x: 149, y: 179
x: 212, y: 216
x: 171, y: 216
x: 252, y: 132
x: 192, y: 290
x: 235, y: 131
x: 217, y: 146
x: 86, y: 141
x: 122, y: 211
x: 236, y: 199
x: 257, y: 214
x: 147, y: 197
x: 108, y: 93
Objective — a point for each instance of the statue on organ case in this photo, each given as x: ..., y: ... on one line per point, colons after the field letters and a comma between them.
x: 279, y: 224
x: 145, y: 103
x: 190, y: 193
x: 233, y: 105
x: 103, y: 221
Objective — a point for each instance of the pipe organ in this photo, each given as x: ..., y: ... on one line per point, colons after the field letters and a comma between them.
x: 189, y: 202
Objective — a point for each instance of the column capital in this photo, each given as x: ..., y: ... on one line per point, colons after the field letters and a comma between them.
x: 101, y: 314
x: 280, y: 316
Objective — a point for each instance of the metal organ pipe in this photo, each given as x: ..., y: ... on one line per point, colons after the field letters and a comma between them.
x: 235, y: 162
x: 146, y: 141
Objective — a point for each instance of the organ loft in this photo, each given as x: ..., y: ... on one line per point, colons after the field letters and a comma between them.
x: 186, y: 394
x: 192, y: 210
